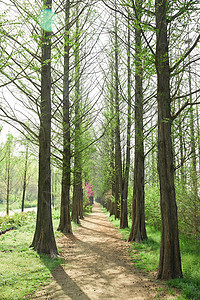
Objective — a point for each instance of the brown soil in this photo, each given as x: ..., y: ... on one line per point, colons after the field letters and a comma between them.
x: 96, y: 265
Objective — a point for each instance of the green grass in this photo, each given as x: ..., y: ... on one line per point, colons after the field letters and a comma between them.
x: 146, y: 256
x: 190, y: 284
x: 21, y: 268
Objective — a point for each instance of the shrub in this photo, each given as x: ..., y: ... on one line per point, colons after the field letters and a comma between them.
x: 88, y: 209
x: 18, y: 219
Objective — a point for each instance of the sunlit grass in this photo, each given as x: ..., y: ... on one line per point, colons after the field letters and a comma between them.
x: 145, y: 256
x: 21, y: 269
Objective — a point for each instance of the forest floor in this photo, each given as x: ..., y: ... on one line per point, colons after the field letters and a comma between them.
x: 97, y: 265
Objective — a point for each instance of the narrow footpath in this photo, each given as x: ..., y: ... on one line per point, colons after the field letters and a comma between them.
x: 96, y: 266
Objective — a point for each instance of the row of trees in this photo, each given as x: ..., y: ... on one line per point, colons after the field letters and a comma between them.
x: 57, y: 81
x: 48, y: 80
x: 156, y: 66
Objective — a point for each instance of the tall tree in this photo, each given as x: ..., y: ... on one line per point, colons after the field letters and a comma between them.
x: 118, y: 160
x: 44, y: 240
x: 125, y: 179
x: 112, y: 147
x: 170, y: 259
x: 77, y: 184
x: 138, y: 230
x: 65, y: 220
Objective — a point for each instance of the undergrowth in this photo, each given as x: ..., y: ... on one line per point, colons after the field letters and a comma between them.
x: 145, y: 256
x: 18, y: 219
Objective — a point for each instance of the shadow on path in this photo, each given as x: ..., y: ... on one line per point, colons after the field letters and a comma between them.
x: 67, y: 284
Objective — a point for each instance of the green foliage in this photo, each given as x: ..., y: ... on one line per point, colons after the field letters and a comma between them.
x: 188, y: 212
x: 188, y: 216
x: 13, y: 159
x: 85, y: 198
x: 56, y: 213
x: 152, y: 206
x: 18, y: 219
x: 30, y: 204
x: 88, y: 209
x: 22, y: 270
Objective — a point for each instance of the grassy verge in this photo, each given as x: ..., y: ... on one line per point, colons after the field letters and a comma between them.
x: 146, y: 256
x: 22, y: 270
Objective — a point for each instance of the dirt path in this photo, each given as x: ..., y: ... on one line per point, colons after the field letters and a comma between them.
x: 97, y: 266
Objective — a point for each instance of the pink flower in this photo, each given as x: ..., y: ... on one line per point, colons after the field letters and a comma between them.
x: 88, y: 188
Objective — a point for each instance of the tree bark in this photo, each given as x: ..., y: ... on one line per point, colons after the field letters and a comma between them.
x: 170, y: 259
x: 124, y: 210
x: 77, y: 204
x: 44, y: 240
x: 65, y: 220
x: 118, y: 161
x: 112, y: 145
x: 138, y: 230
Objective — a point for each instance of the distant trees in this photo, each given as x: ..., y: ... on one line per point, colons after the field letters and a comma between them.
x: 21, y: 167
x: 118, y: 158
x: 8, y: 158
x: 65, y: 219
x: 138, y: 230
x: 161, y: 56
x: 25, y: 175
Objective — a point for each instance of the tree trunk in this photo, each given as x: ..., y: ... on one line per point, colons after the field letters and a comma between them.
x: 77, y: 205
x: 112, y: 148
x: 44, y: 240
x: 124, y: 210
x: 138, y: 230
x: 65, y: 220
x: 170, y: 259
x: 24, y: 180
x: 118, y: 161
